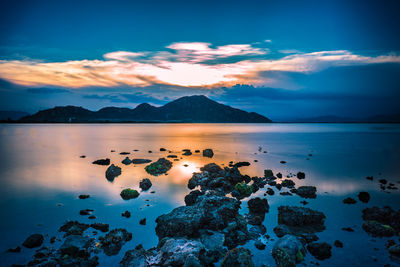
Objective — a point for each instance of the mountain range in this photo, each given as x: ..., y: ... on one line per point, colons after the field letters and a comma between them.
x: 196, y: 109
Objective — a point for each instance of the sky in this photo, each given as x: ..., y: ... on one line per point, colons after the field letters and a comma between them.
x: 282, y: 59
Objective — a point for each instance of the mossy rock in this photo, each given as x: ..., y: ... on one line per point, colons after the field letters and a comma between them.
x: 244, y: 189
x: 159, y: 167
x: 129, y: 193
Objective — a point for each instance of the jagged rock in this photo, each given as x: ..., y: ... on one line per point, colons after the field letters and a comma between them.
x: 159, y: 167
x: 209, y: 153
x: 112, y: 172
x: 191, y: 198
x: 307, y: 191
x: 33, y: 241
x: 288, y: 251
x: 320, y: 250
x: 75, y: 246
x: 112, y: 242
x: 304, y: 219
x: 137, y: 257
x: 102, y: 162
x: 145, y: 184
x: 258, y: 205
x: 238, y: 257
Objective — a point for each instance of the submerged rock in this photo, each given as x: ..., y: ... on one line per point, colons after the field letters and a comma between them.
x: 320, y: 250
x: 307, y: 191
x: 112, y: 242
x: 303, y: 219
x: 159, y: 167
x: 364, y: 197
x: 33, y: 241
x: 145, y: 184
x: 102, y: 161
x: 129, y: 193
x: 288, y: 251
x: 209, y: 153
x: 238, y: 257
x: 112, y: 172
x: 140, y: 161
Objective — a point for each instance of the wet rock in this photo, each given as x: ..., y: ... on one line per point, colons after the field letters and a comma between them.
x: 258, y: 205
x: 209, y: 153
x: 385, y: 216
x: 14, y: 250
x: 145, y: 184
x: 268, y: 173
x: 349, y: 200
x: 238, y: 257
x: 309, y: 237
x: 287, y: 183
x: 100, y: 226
x: 142, y: 221
x: 191, y: 198
x: 85, y: 212
x: 364, y: 197
x: 307, y: 191
x: 84, y: 196
x: 126, y: 214
x: 378, y: 229
x: 126, y: 161
x: 304, y: 219
x: 338, y: 244
x: 259, y: 245
x: 137, y: 257
x: 129, y: 193
x: 33, y: 241
x: 112, y: 172
x: 288, y: 251
x: 102, y: 162
x: 75, y: 246
x: 140, y: 161
x: 112, y: 242
x: 281, y: 230
x: 257, y: 230
x: 73, y: 228
x: 301, y: 175
x: 320, y: 250
x: 159, y: 167
x: 270, y: 191
x: 241, y: 164
x: 244, y: 190
x: 181, y: 252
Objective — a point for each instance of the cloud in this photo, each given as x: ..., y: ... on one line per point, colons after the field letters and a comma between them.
x: 183, y: 64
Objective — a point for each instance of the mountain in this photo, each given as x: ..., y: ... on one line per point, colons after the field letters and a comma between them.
x: 196, y: 109
x: 11, y: 115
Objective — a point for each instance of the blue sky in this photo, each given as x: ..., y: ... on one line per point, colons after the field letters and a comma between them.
x: 293, y: 58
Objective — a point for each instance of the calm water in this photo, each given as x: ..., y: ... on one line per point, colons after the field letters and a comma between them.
x: 42, y: 174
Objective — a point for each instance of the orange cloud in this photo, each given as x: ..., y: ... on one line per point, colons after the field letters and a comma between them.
x: 185, y: 66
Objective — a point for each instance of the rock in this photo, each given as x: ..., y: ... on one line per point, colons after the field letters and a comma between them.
x: 394, y: 250
x: 378, y: 229
x: 304, y: 219
x: 348, y: 229
x: 126, y: 214
x: 140, y: 161
x: 304, y: 202
x: 259, y: 245
x: 14, y: 250
x: 364, y: 197
x: 82, y: 156
x: 73, y: 228
x: 191, y: 198
x: 244, y: 190
x: 187, y: 153
x: 241, y: 164
x: 126, y: 161
x: 309, y: 237
x: 85, y: 212
x: 100, y: 226
x: 283, y: 162
x: 112, y: 242
x: 124, y: 153
x: 285, y: 194
x: 338, y: 244
x: 281, y: 230
x: 288, y: 251
x: 383, y: 181
x: 159, y: 167
x: 33, y: 241
x: 172, y: 156
x: 287, y: 183
x: 257, y: 230
x: 279, y: 175
x: 320, y: 250
x: 258, y: 205
x: 163, y: 149
x: 371, y: 178
x: 84, y: 196
x: 112, y: 172
x: 307, y: 191
x: 270, y: 191
x: 142, y: 221
x: 102, y: 162
x: 238, y: 257
x: 268, y: 173
x: 129, y: 193
x: 209, y: 153
x: 349, y: 200
x: 180, y: 252
x: 137, y: 257
x: 145, y: 184
x: 75, y: 246
x: 301, y: 175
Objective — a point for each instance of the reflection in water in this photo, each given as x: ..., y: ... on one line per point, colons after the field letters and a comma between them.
x: 41, y: 166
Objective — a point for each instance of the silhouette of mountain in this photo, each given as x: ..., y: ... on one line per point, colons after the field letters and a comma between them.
x: 196, y: 109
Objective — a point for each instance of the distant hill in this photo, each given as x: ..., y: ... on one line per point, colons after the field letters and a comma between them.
x: 11, y: 115
x: 195, y: 109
